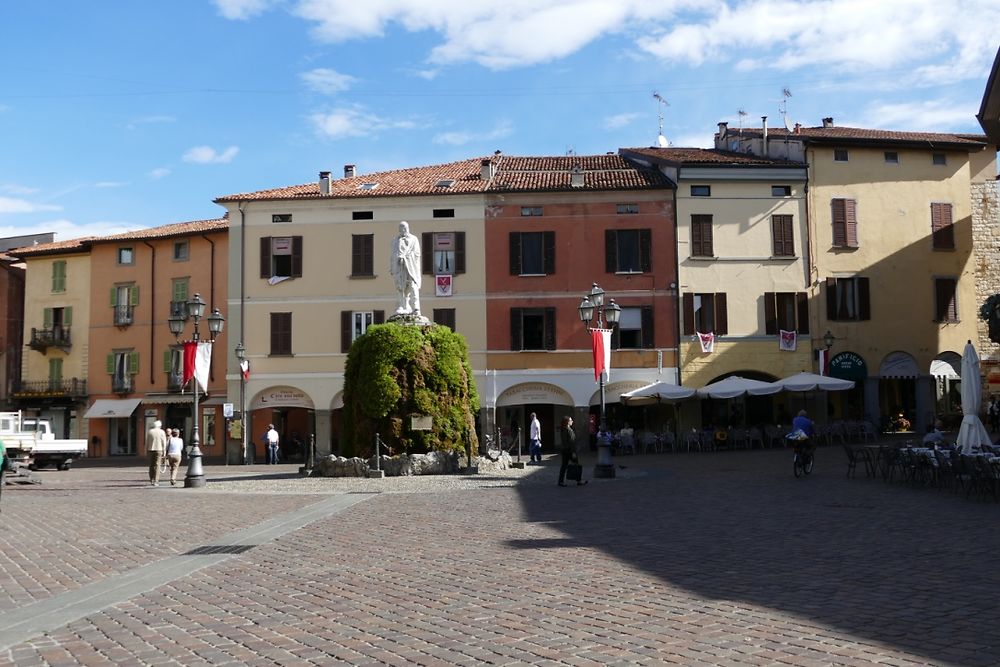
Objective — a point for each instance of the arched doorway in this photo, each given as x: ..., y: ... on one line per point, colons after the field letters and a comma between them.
x: 514, y: 408
x: 946, y: 369
x: 898, y: 376
x: 291, y: 411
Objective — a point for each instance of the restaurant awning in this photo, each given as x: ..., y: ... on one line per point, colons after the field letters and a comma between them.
x: 112, y: 408
x: 167, y: 399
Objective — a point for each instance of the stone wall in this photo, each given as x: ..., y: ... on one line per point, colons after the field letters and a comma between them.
x: 986, y: 243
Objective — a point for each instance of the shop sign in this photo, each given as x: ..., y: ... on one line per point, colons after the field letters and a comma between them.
x: 848, y: 366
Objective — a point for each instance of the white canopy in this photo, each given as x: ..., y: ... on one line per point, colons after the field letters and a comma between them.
x: 811, y: 381
x: 112, y: 408
x: 734, y: 386
x: 972, y: 433
x: 658, y: 392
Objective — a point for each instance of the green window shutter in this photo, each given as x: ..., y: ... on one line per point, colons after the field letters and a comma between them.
x: 133, y: 295
x: 109, y: 362
x: 55, y: 369
x: 133, y: 363
x: 114, y: 297
x: 180, y: 290
x: 59, y: 276
x: 47, y: 318
x: 166, y: 360
x: 68, y: 316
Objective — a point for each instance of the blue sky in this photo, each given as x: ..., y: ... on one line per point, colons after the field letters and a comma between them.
x: 117, y: 115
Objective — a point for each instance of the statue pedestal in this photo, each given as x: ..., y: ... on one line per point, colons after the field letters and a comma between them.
x: 410, y: 319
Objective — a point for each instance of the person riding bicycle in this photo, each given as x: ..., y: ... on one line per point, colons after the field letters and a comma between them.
x: 801, y: 422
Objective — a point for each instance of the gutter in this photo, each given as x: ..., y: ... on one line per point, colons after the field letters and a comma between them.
x: 152, y: 317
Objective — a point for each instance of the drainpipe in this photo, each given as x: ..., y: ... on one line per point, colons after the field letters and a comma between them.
x: 677, y: 286
x: 152, y: 317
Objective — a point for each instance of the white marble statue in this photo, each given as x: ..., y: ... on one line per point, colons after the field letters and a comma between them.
x: 404, y: 265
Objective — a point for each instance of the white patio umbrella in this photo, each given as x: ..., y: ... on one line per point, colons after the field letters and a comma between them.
x: 658, y: 392
x: 734, y: 386
x: 972, y: 433
x: 811, y: 381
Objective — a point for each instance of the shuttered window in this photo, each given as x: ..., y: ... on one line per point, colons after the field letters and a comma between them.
x: 705, y: 312
x: 788, y: 311
x: 848, y: 299
x: 362, y: 255
x: 281, y: 256
x: 59, y: 276
x: 532, y: 253
x: 634, y: 330
x: 942, y: 227
x: 701, y: 236
x: 442, y: 253
x: 627, y: 250
x: 945, y: 300
x: 445, y: 317
x: 783, y: 236
x: 354, y: 324
x: 845, y: 223
x: 532, y: 329
x: 281, y: 334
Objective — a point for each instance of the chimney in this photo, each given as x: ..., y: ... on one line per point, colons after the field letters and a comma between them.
x: 798, y: 128
x: 324, y: 183
x: 349, y: 171
x: 487, y: 170
x: 763, y: 124
x: 828, y: 122
x: 723, y: 129
x: 576, y: 177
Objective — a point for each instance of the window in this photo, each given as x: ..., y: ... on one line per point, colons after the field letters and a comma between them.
x: 181, y: 250
x: 531, y: 211
x: 281, y: 217
x: 281, y: 257
x: 782, y: 236
x: 781, y: 191
x: 845, y: 223
x: 207, y: 427
x: 442, y: 253
x: 281, y: 334
x: 701, y: 190
x: 939, y: 159
x: 701, y: 236
x: 847, y: 299
x: 173, y: 366
x: 126, y: 256
x: 443, y: 213
x: 121, y: 366
x: 362, y: 255
x: 891, y: 157
x: 59, y: 275
x: 532, y: 253
x: 532, y: 329
x: 354, y: 324
x: 786, y: 311
x: 627, y: 250
x: 627, y: 209
x: 178, y: 297
x: 840, y: 155
x: 367, y: 186
x: 362, y: 215
x: 56, y: 323
x: 942, y: 227
x: 704, y: 313
x: 945, y: 300
x: 445, y: 317
x: 634, y: 330
x: 445, y: 183
x: 124, y: 299
x: 55, y: 374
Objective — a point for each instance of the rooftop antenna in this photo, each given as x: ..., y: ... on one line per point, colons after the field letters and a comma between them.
x: 742, y: 113
x: 783, y: 108
x: 661, y: 140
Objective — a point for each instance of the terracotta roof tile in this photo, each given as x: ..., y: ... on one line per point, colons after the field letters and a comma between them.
x: 707, y: 156
x: 69, y: 246
x: 165, y: 231
x: 858, y: 135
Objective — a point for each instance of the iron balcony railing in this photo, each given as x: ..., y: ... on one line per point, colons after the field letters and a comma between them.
x: 74, y: 387
x: 121, y: 385
x: 42, y: 339
x: 124, y: 314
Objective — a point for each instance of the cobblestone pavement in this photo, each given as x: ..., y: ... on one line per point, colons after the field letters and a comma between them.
x: 693, y: 559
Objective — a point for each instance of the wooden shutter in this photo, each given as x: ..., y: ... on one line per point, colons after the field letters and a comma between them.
x: 516, y: 330
x: 265, y: 257
x: 59, y: 276
x: 770, y: 314
x: 721, y: 315
x: 378, y: 317
x: 133, y: 295
x: 831, y: 299
x: 648, y: 337
x: 942, y: 229
x: 281, y: 333
x: 802, y: 303
x: 864, y: 300
x: 701, y: 236
x: 782, y: 236
x: 361, y: 255
x: 346, y: 329
x: 515, y: 253
x: 114, y: 297
x: 851, y: 222
x: 550, y: 328
x: 109, y: 364
x: 645, y: 250
x: 610, y: 251
x: 166, y: 360
x: 427, y: 253
x: 459, y: 252
x: 68, y: 316
x: 687, y: 304
x: 549, y: 253
x: 47, y: 318
x: 296, y: 257
x: 133, y: 363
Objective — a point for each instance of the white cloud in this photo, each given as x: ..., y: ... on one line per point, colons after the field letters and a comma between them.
x: 462, y: 138
x: 208, y: 155
x: 110, y: 184
x: 327, y: 81
x: 620, y: 120
x: 15, y: 189
x: 12, y: 205
x: 66, y: 229
x: 158, y: 173
x: 353, y: 122
x: 925, y: 115
x: 150, y: 120
x: 241, y: 10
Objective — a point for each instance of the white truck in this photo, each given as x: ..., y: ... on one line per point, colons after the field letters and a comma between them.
x: 31, y: 440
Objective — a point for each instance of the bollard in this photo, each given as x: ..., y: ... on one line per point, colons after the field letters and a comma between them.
x: 378, y: 472
x: 307, y: 467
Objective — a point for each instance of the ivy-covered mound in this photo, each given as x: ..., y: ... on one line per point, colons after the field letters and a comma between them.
x: 395, y: 372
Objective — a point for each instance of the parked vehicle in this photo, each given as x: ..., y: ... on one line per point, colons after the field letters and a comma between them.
x: 30, y: 440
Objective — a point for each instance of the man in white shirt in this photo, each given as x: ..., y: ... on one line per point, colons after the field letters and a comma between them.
x: 272, y: 444
x: 535, y: 439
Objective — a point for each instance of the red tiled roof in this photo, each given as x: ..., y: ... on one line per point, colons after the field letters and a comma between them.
x: 707, y: 156
x: 835, y: 134
x: 523, y: 174
x: 54, y: 248
x: 165, y: 231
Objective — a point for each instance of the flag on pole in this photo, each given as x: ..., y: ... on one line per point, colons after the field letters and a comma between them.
x: 707, y: 341
x: 601, y: 341
x: 824, y: 361
x: 245, y: 368
x: 197, y: 362
x: 786, y: 341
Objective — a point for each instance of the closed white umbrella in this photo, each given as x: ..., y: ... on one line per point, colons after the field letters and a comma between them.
x: 972, y: 434
x: 658, y: 392
x: 734, y: 386
x: 811, y: 381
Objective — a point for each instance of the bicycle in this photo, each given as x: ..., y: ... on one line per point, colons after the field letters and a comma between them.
x: 803, y: 457
x: 492, y: 448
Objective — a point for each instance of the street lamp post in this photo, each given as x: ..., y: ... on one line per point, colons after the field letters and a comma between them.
x: 241, y: 354
x: 610, y: 313
x: 195, y: 309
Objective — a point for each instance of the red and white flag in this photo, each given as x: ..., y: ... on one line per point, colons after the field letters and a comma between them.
x: 245, y: 368
x: 824, y: 361
x: 197, y: 362
x: 787, y: 340
x: 601, y: 341
x: 707, y: 341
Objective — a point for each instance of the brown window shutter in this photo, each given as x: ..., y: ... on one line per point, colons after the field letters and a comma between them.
x: 721, y: 314
x: 296, y: 257
x: 516, y: 338
x: 702, y: 236
x: 549, y: 241
x: 782, y: 233
x: 770, y: 315
x: 427, y: 253
x: 370, y: 255
x: 942, y: 229
x: 459, y: 253
x: 687, y: 305
x: 515, y: 253
x: 648, y: 337
x: 550, y: 328
x: 802, y: 302
x: 837, y: 208
x: 831, y: 299
x: 378, y: 317
x: 265, y: 257
x: 864, y: 300
x: 851, y: 222
x: 645, y: 250
x: 610, y: 251
x: 345, y: 330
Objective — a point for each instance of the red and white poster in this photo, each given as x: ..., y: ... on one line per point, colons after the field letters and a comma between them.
x: 787, y: 340
x: 442, y: 286
x: 707, y: 341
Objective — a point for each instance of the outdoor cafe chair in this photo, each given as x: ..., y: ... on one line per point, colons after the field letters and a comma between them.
x: 857, y: 455
x: 754, y: 435
x: 627, y: 443
x: 668, y: 441
x: 650, y: 442
x: 868, y: 432
x: 692, y: 439
x: 773, y: 436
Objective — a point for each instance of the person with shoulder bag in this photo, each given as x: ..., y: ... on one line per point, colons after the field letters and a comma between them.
x: 570, y: 467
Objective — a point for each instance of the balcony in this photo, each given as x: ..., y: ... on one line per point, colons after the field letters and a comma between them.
x: 123, y: 315
x: 43, y: 339
x: 71, y: 388
x: 174, y: 381
x: 121, y: 385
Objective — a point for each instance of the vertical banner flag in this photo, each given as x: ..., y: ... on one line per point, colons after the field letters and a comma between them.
x: 824, y: 361
x: 245, y: 368
x: 197, y: 361
x: 786, y: 341
x: 707, y: 341
x: 190, y: 348
x: 442, y: 286
x: 601, y: 341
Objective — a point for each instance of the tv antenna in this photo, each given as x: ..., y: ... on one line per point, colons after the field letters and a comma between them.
x: 783, y: 108
x: 661, y: 140
x: 742, y: 113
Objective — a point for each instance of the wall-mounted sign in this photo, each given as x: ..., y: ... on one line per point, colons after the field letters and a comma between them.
x: 421, y: 423
x: 281, y: 397
x: 848, y: 366
x: 442, y: 286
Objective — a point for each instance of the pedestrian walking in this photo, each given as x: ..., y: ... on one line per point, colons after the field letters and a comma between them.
x: 175, y: 447
x: 156, y: 445
x: 273, y: 441
x: 535, y: 439
x: 567, y: 449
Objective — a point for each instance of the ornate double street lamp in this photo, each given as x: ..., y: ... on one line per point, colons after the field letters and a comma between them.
x: 610, y: 313
x: 241, y: 355
x: 195, y: 309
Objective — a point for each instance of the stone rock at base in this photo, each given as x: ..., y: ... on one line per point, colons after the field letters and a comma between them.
x: 432, y: 463
x: 338, y: 466
x: 487, y: 464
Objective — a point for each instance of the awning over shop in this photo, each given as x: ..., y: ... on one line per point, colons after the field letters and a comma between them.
x: 112, y: 408
x: 167, y: 399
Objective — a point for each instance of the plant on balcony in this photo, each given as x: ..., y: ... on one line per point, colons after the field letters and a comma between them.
x: 395, y: 372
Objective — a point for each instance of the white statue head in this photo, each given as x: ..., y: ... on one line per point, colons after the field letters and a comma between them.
x: 404, y: 228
